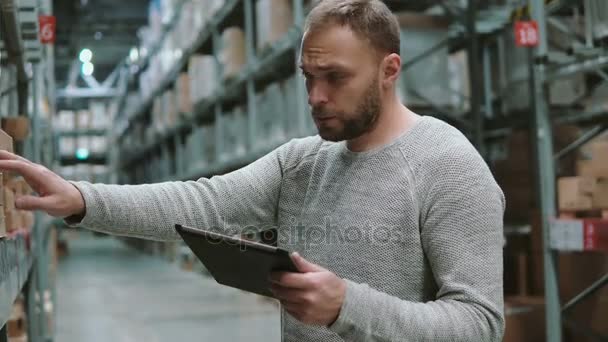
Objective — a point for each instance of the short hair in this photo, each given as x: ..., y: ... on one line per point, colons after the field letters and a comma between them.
x: 369, y: 19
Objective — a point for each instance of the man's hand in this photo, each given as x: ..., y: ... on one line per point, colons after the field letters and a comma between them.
x: 314, y: 296
x: 56, y: 196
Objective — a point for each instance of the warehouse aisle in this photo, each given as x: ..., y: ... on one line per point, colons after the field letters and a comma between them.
x: 109, y: 292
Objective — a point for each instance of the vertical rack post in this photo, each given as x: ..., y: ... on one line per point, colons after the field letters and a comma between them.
x: 217, y: 107
x: 475, y: 77
x: 299, y: 86
x: 545, y: 170
x: 251, y: 64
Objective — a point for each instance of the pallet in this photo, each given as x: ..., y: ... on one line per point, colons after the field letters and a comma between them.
x: 588, y: 213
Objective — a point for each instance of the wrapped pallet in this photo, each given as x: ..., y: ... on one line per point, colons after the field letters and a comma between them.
x: 157, y: 111
x: 426, y: 79
x: 203, y: 78
x: 234, y: 132
x: 274, y: 19
x: 182, y: 92
x: 208, y: 142
x: 274, y: 119
x: 290, y: 106
x: 232, y: 56
x: 67, y: 146
x: 170, y: 111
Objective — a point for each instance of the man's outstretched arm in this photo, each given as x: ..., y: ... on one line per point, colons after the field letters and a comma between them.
x: 243, y: 199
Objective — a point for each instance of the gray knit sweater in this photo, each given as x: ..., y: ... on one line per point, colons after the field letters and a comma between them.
x: 414, y: 227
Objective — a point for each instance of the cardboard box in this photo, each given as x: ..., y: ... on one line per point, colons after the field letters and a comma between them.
x: 182, y: 90
x: 575, y: 193
x: 600, y: 194
x: 17, y: 127
x: 203, y: 78
x: 16, y: 328
x: 3, y: 229
x: 233, y: 56
x: 9, y: 199
x: 12, y: 220
x: 274, y: 19
x: 6, y: 141
x: 579, y: 235
x: 596, y: 162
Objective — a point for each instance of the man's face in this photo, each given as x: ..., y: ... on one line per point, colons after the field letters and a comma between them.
x: 341, y: 72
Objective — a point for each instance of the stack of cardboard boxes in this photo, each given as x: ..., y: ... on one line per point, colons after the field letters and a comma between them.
x: 580, y: 189
x: 233, y: 56
x: 589, y: 189
x: 12, y: 187
x: 273, y: 18
x: 585, y: 194
x: 16, y: 327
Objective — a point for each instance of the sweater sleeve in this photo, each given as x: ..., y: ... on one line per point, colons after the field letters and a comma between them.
x: 461, y: 233
x: 243, y: 199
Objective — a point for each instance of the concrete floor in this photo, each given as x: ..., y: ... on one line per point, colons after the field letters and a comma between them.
x: 109, y: 292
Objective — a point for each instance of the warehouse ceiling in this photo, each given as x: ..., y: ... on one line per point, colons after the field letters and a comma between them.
x: 107, y: 27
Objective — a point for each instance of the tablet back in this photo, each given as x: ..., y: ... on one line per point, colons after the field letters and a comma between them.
x: 235, y: 262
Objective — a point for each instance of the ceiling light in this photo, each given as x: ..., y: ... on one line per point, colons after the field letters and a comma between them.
x: 87, y: 68
x: 133, y: 54
x: 85, y: 55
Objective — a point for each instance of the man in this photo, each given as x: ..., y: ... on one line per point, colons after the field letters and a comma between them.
x: 396, y: 218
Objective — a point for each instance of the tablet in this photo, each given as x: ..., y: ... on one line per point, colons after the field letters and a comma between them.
x: 235, y: 262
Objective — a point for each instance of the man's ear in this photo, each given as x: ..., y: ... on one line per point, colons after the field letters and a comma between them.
x: 391, y: 69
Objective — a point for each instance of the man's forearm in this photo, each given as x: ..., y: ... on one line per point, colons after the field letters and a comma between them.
x: 243, y: 198
x: 370, y: 315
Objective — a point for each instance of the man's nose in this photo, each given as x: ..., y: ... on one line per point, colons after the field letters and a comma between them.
x: 317, y: 95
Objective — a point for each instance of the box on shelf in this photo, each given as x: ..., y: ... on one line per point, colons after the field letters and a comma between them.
x: 595, y: 154
x: 233, y: 56
x: 288, y: 93
x: 3, y: 230
x: 17, y: 127
x: 561, y: 92
x: 600, y: 194
x: 207, y: 141
x: 203, y: 78
x: 170, y: 110
x: 273, y: 18
x: 575, y: 193
x: 16, y: 325
x: 9, y: 199
x: 98, y: 145
x: 234, y: 132
x: 67, y: 146
x: 6, y: 141
x: 276, y: 104
x: 14, y: 220
x: 99, y: 115
x: 83, y: 119
x: 182, y: 91
x: 426, y: 80
x: 64, y: 121
x: 590, y: 234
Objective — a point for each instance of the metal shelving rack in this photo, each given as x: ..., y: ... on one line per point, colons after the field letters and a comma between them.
x: 24, y: 256
x: 478, y: 31
x: 542, y: 72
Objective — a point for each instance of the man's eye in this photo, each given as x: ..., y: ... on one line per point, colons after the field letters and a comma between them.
x: 335, y: 77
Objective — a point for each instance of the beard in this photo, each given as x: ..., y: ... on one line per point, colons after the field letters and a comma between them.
x: 354, y: 124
